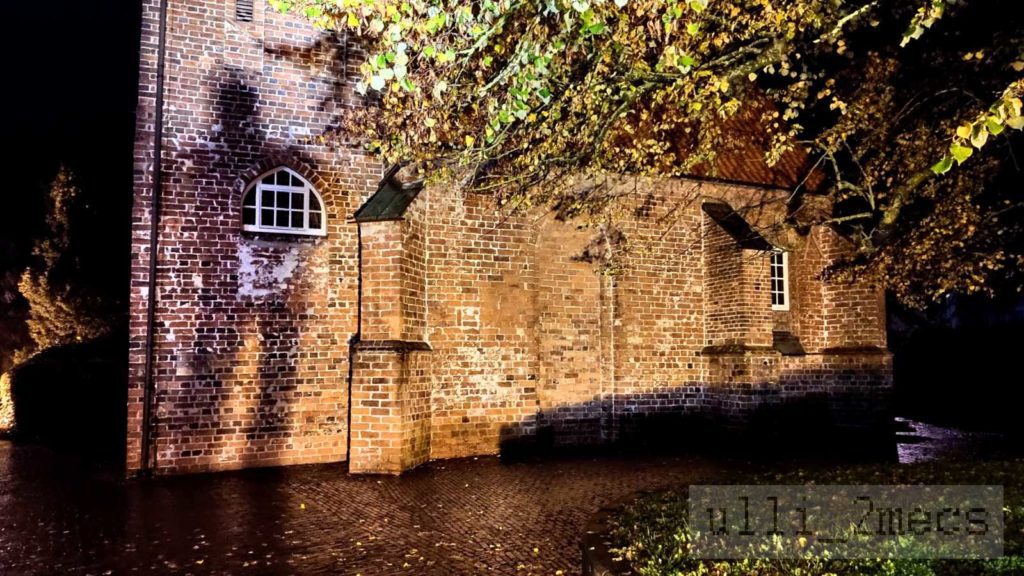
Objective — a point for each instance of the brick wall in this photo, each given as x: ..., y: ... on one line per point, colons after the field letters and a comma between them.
x: 737, y: 300
x: 574, y: 348
x: 481, y: 310
x: 476, y: 328
x: 527, y: 340
x: 251, y: 355
x: 658, y: 319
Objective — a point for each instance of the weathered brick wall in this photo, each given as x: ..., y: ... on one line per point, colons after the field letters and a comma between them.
x: 658, y: 303
x: 253, y: 330
x: 480, y: 306
x: 413, y: 268
x: 806, y: 293
x: 573, y: 331
x: 378, y: 377
x: 382, y: 256
x: 416, y: 418
x: 737, y: 299
x: 853, y: 314
x: 251, y: 355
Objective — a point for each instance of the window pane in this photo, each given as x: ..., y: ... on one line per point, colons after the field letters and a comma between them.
x: 314, y: 220
x: 267, y: 217
x: 314, y: 204
x: 296, y: 181
x: 297, y: 219
x: 250, y: 198
x: 283, y: 177
x: 282, y: 200
x: 268, y: 198
x: 249, y: 216
x: 282, y: 219
x: 269, y: 179
x: 298, y: 200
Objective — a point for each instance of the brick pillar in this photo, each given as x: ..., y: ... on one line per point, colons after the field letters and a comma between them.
x: 380, y: 270
x: 738, y: 311
x: 390, y: 412
x: 853, y: 313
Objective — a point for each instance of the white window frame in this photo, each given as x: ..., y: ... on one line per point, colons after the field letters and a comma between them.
x: 257, y: 187
x: 785, y: 279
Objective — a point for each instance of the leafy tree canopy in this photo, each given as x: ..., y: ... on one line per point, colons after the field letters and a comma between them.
x: 61, y: 311
x: 907, y: 110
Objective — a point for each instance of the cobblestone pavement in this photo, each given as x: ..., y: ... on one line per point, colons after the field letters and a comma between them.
x: 456, y: 517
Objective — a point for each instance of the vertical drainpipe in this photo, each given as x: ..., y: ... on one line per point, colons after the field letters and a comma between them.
x: 154, y: 229
x: 353, y: 342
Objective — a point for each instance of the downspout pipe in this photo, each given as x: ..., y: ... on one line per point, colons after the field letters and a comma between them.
x: 154, y: 230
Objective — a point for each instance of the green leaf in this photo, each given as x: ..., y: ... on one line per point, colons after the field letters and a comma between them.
x: 994, y: 128
x: 979, y: 136
x: 943, y: 165
x: 960, y: 153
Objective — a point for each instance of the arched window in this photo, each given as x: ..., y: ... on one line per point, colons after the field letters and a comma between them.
x: 282, y: 202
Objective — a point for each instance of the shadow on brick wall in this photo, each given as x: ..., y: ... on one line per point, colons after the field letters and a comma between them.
x: 329, y: 54
x: 74, y: 397
x: 275, y: 417
x: 751, y: 421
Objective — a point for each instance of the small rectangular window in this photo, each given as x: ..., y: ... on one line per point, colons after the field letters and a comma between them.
x: 243, y: 10
x: 780, y: 280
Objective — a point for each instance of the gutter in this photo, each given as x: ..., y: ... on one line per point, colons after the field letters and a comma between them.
x: 154, y: 229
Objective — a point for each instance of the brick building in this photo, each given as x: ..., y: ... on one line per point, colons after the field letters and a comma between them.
x: 298, y: 303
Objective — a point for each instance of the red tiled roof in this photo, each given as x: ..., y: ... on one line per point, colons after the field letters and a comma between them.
x: 741, y: 155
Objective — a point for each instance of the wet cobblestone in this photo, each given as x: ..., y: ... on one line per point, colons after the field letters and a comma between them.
x: 455, y: 517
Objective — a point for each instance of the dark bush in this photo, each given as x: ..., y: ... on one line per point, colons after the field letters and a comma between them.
x: 74, y: 397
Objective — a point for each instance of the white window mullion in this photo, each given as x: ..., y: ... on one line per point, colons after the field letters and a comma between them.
x: 259, y: 205
x: 305, y: 208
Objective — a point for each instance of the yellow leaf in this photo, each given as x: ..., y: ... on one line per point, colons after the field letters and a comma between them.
x: 469, y: 141
x: 964, y: 131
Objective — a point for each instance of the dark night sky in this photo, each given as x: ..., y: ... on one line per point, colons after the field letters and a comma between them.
x: 70, y: 71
